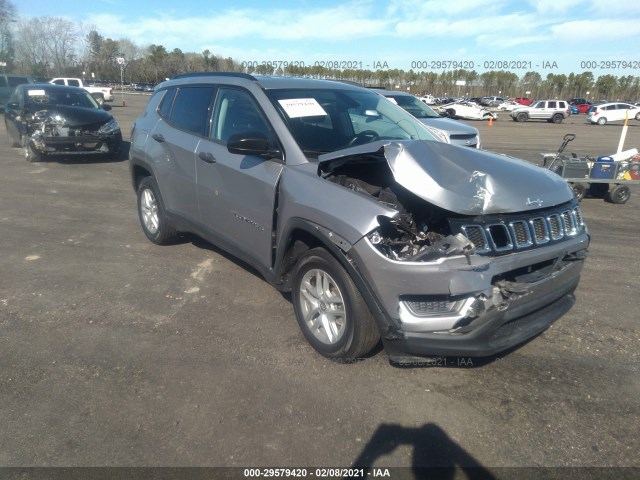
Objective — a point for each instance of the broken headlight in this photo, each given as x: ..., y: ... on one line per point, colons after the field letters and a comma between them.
x: 111, y: 126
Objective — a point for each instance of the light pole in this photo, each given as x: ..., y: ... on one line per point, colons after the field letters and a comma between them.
x: 121, y: 62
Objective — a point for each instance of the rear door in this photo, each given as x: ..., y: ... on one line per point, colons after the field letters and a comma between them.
x: 172, y: 145
x: 237, y: 193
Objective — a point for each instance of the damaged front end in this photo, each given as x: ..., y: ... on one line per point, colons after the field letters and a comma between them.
x: 50, y: 132
x: 479, y: 241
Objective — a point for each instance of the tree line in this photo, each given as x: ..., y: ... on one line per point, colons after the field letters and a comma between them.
x: 48, y: 47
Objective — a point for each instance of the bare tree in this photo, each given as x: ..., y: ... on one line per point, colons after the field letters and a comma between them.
x: 49, y: 44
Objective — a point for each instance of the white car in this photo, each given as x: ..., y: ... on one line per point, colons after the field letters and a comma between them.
x: 466, y: 110
x: 508, y: 106
x: 612, y: 112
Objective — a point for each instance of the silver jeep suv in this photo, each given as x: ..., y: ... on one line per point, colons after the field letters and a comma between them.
x: 378, y: 230
x: 553, y: 111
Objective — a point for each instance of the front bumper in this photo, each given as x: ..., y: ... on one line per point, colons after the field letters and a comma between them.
x: 485, y: 321
x: 78, y: 145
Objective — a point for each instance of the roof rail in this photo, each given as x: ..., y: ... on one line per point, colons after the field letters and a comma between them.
x: 219, y: 74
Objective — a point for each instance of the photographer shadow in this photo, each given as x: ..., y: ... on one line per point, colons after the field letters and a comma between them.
x: 435, y: 455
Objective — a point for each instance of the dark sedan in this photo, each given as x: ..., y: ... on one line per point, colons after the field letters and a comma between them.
x: 53, y: 120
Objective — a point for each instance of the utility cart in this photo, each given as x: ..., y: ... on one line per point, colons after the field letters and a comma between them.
x: 603, y: 177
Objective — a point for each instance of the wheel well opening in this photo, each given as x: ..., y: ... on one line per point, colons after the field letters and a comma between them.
x: 299, y: 242
x: 138, y: 174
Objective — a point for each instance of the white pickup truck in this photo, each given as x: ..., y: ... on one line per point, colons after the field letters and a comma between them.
x: 101, y: 94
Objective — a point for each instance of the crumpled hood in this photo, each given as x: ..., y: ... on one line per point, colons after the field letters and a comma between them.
x: 77, y: 116
x: 465, y: 180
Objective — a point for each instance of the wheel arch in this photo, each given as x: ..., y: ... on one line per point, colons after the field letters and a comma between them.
x: 302, y: 235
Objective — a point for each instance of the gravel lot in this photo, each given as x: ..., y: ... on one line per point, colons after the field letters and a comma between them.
x: 117, y: 352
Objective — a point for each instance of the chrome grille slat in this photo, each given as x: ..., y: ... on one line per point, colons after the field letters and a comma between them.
x: 516, y: 234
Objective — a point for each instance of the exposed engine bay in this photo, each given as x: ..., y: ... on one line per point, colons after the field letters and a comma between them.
x: 420, y: 231
x: 51, y: 133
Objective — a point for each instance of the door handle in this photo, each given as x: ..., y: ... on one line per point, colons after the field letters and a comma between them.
x: 158, y: 137
x: 206, y: 157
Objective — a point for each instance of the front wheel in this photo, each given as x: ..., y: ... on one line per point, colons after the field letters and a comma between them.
x: 31, y: 155
x: 579, y: 190
x: 332, y: 314
x: 522, y: 117
x: 152, y: 214
x: 602, y: 121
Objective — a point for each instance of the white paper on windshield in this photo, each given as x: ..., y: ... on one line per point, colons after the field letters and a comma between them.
x: 36, y: 93
x: 392, y: 100
x: 302, y: 107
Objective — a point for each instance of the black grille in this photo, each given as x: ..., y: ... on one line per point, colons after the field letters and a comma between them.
x: 463, y: 136
x: 508, y: 234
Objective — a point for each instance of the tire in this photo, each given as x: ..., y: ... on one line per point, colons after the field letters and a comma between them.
x: 619, y: 194
x: 557, y: 118
x: 602, y: 121
x: 152, y: 214
x: 579, y: 190
x: 599, y: 190
x: 334, y: 317
x: 31, y: 155
x: 522, y: 117
x: 12, y: 141
x: 451, y: 113
x: 638, y: 116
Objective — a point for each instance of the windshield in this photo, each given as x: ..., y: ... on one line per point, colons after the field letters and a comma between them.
x: 47, y: 96
x: 414, y: 106
x: 326, y: 120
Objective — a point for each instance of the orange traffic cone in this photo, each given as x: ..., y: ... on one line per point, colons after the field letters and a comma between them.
x: 490, y: 121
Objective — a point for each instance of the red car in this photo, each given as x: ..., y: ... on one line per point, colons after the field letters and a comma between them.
x: 583, y: 107
x: 522, y: 100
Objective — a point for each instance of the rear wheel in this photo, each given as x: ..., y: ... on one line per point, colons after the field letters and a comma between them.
x: 12, y: 141
x: 619, y: 194
x: 152, y: 214
x: 557, y: 118
x: 330, y: 311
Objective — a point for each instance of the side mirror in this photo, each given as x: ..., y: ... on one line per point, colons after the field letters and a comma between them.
x: 252, y: 143
x: 106, y: 107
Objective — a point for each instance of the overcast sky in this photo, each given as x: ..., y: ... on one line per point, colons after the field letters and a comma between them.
x: 548, y: 36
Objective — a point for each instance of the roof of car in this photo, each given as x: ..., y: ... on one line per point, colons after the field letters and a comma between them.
x: 267, y: 82
x: 50, y: 86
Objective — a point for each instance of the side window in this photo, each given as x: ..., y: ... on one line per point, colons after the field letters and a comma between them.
x: 562, y: 105
x: 59, y: 82
x: 552, y: 104
x: 237, y: 112
x: 609, y: 107
x: 191, y: 109
x: 167, y: 102
x: 73, y: 83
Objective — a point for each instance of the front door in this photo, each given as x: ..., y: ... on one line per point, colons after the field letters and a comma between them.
x: 237, y: 193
